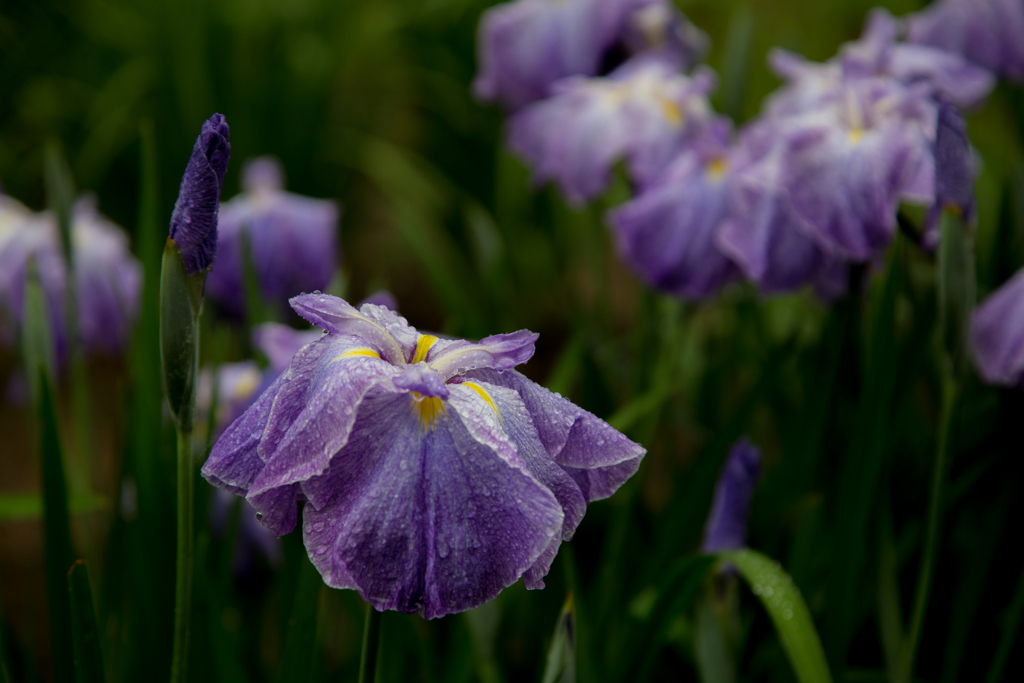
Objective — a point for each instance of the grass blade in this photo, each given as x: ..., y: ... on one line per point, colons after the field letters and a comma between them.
x: 561, y: 661
x: 788, y: 611
x: 300, y: 656
x: 86, y: 636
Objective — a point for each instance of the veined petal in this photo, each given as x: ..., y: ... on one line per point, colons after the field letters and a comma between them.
x: 385, y: 330
x: 573, y: 438
x: 313, y: 416
x: 433, y: 521
x: 233, y: 463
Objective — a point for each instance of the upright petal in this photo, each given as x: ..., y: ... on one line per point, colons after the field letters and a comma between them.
x: 499, y: 351
x: 385, y: 330
x: 279, y: 343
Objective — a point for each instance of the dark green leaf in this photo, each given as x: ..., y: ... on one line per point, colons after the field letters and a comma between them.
x: 180, y: 302
x: 956, y: 287
x: 788, y: 611
x: 301, y: 645
x: 1011, y: 622
x: 85, y: 632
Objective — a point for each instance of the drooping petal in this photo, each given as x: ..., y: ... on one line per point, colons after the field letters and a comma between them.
x: 313, y: 415
x: 986, y: 32
x: 428, y: 520
x: 194, y: 221
x: 490, y: 412
x: 997, y: 333
x: 668, y: 232
x: 726, y: 527
x: 573, y: 438
x: 233, y: 463
x: 385, y: 330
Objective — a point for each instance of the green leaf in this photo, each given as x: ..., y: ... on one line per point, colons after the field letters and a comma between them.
x: 676, y: 591
x: 57, y: 549
x: 1011, y: 621
x: 957, y: 287
x: 301, y: 647
x: 60, y: 191
x: 86, y: 635
x: 736, y: 61
x: 561, y: 662
x: 861, y: 469
x: 180, y: 301
x: 788, y: 611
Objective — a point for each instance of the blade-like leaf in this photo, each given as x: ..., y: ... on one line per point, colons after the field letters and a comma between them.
x: 86, y: 635
x: 561, y: 662
x: 957, y: 287
x: 298, y: 661
x: 788, y: 611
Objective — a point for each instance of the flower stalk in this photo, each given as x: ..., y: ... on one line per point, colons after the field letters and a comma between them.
x: 371, y: 646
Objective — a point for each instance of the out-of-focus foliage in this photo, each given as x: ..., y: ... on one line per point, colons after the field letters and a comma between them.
x: 368, y: 102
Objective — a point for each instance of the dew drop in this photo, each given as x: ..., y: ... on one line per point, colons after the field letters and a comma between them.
x: 318, y: 527
x: 321, y: 549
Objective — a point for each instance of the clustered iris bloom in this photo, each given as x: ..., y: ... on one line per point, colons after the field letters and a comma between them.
x: 291, y: 240
x: 108, y: 279
x: 791, y: 199
x: 433, y: 474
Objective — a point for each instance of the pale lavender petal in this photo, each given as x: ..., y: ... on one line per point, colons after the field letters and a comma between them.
x: 382, y: 328
x: 997, y: 333
x: 262, y: 174
x: 987, y: 32
x: 500, y: 351
x: 668, y: 232
x: 433, y: 520
x: 574, y: 438
x: 381, y: 297
x: 279, y: 343
x: 726, y: 527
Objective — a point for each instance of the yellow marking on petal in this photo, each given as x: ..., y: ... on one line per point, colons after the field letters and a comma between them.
x: 672, y: 111
x: 717, y: 168
x: 428, y: 408
x: 369, y: 353
x: 483, y: 394
x: 855, y: 135
x: 423, y: 347
x: 246, y: 385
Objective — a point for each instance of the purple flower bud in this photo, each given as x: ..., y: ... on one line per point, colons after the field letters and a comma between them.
x: 997, y: 334
x: 644, y: 112
x: 726, y: 527
x: 292, y: 240
x: 987, y: 32
x: 954, y: 163
x: 426, y: 491
x: 194, y: 221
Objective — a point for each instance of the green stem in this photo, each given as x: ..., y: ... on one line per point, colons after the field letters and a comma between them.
x: 371, y: 646
x: 183, y: 567
x: 950, y: 392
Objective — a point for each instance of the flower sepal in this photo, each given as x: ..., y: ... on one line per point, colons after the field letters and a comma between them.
x: 181, y: 300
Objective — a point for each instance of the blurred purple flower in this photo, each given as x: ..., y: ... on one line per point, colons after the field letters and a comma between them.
x: 644, y: 112
x: 194, y: 220
x: 947, y: 74
x: 292, y: 240
x: 668, y: 233
x: 726, y: 527
x: 987, y: 32
x: 434, y: 474
x: 108, y: 279
x: 997, y: 334
x: 954, y: 163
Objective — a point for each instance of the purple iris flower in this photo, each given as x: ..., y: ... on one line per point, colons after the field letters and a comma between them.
x: 987, y: 32
x: 954, y: 163
x: 644, y: 112
x: 527, y: 45
x: 997, y: 334
x: 108, y: 279
x: 194, y: 220
x: 726, y: 527
x: 292, y: 240
x: 668, y: 233
x: 434, y: 475
x: 879, y: 52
